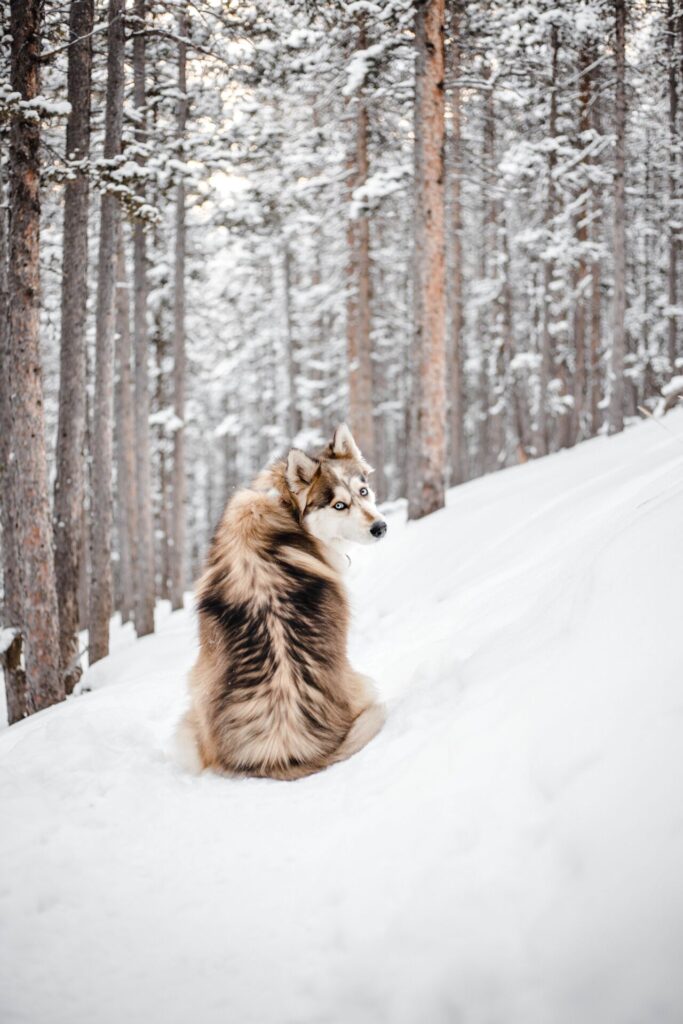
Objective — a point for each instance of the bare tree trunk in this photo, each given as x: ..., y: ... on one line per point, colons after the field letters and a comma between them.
x: 455, y: 369
x: 11, y: 612
x: 427, y: 486
x: 616, y: 405
x: 293, y: 412
x: 581, y: 269
x: 594, y: 383
x: 126, y: 504
x: 27, y: 546
x: 101, y: 530
x: 511, y: 390
x: 543, y: 440
x: 672, y: 18
x: 486, y: 223
x: 162, y: 506
x: 178, y: 521
x: 70, y: 481
x: 358, y: 315
x: 144, y: 612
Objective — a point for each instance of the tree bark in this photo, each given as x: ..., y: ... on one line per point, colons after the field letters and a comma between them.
x: 616, y: 405
x: 144, y: 613
x: 178, y: 523
x: 427, y: 490
x: 70, y: 456
x: 455, y: 353
x: 359, y: 298
x: 126, y: 504
x: 101, y: 530
x: 28, y: 546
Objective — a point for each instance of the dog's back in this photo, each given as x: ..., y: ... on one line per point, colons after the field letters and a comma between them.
x: 272, y: 691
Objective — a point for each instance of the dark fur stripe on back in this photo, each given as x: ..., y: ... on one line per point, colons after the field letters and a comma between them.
x: 245, y: 633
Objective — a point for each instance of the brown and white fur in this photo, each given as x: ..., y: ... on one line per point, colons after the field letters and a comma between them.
x: 272, y: 691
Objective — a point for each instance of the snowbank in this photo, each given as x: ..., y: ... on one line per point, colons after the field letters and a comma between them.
x: 508, y: 850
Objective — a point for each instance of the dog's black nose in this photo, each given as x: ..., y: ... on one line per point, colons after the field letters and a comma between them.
x: 379, y: 528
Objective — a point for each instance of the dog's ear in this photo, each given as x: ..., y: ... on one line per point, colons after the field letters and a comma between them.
x: 343, y: 445
x: 301, y: 469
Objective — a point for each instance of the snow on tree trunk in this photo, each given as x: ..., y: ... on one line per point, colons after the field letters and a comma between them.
x: 144, y: 611
x: 178, y: 522
x: 101, y: 517
x: 28, y: 546
x: 70, y: 479
x: 359, y: 298
x: 616, y: 405
x: 126, y: 489
x: 427, y: 479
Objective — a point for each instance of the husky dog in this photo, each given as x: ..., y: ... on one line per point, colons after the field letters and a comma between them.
x: 273, y: 693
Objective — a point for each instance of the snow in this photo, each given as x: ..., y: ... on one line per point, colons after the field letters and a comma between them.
x: 360, y: 66
x: 673, y: 386
x: 508, y: 849
x: 7, y: 635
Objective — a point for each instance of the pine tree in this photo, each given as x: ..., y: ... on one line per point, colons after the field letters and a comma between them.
x: 178, y: 524
x: 101, y: 527
x: 144, y: 614
x: 427, y: 486
x: 616, y: 406
x: 27, y: 546
x: 70, y: 479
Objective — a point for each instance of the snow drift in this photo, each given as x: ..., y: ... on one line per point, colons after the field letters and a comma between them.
x: 508, y: 850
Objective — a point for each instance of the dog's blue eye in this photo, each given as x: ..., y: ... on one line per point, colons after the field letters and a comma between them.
x: 339, y: 506
x: 363, y: 492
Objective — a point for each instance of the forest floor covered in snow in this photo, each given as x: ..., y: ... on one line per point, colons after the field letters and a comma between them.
x: 509, y: 849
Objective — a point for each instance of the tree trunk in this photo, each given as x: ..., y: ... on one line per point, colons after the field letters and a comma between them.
x: 455, y: 354
x: 163, y: 505
x: 144, y: 612
x: 70, y: 455
x: 178, y: 524
x: 581, y: 268
x: 28, y: 544
x: 543, y: 440
x: 594, y: 382
x: 293, y: 412
x: 358, y: 313
x: 126, y: 504
x: 427, y: 486
x: 616, y: 405
x: 10, y: 613
x: 101, y: 530
x: 674, y: 212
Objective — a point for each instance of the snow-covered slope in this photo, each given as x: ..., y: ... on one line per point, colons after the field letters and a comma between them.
x: 510, y: 849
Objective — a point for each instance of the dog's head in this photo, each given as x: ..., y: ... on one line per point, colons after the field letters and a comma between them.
x: 332, y: 492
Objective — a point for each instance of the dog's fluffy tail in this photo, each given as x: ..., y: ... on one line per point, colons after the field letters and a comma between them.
x: 364, y: 729
x: 185, y: 744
